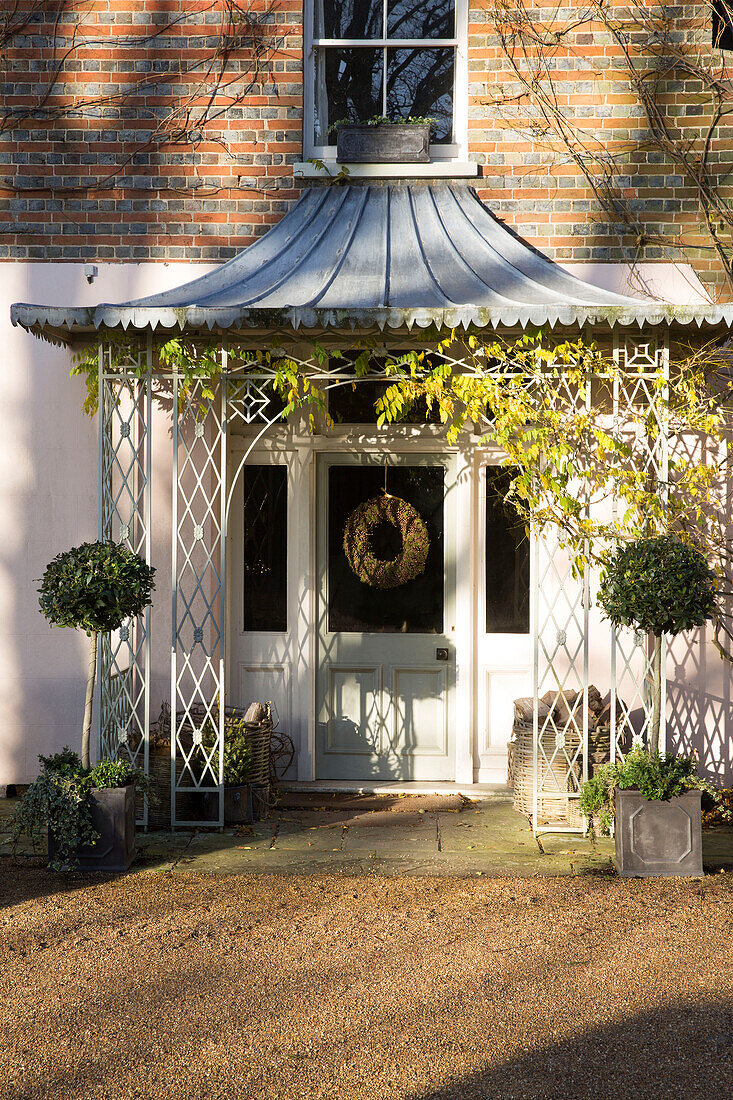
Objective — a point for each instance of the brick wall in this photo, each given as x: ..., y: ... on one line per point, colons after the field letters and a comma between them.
x: 149, y: 144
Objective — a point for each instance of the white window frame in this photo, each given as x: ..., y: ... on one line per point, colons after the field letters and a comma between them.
x: 457, y: 150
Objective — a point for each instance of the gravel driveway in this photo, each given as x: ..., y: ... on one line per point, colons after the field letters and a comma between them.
x: 195, y: 987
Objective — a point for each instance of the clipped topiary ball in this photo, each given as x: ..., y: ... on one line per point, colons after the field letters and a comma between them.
x: 660, y: 585
x: 95, y: 586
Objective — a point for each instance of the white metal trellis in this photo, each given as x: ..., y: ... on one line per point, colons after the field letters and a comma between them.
x: 643, y: 381
x: 201, y: 498
x: 125, y: 407
x: 561, y: 604
x: 560, y: 624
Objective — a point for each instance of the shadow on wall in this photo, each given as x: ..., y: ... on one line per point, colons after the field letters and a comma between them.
x: 48, y: 502
x: 48, y: 462
x: 699, y: 717
x: 679, y: 1050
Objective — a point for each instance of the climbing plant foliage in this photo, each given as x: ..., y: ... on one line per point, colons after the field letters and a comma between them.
x: 543, y: 401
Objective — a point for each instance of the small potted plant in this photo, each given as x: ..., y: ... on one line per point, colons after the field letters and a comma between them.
x: 382, y: 140
x: 246, y: 751
x: 655, y: 799
x: 660, y: 585
x: 90, y: 812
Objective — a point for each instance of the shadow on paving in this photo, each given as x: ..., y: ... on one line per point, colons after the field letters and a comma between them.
x: 677, y: 1051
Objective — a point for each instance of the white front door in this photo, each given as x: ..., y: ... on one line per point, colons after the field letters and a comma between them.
x: 358, y: 674
x: 385, y: 679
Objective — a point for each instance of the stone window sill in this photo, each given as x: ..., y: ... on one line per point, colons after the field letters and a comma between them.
x: 438, y: 169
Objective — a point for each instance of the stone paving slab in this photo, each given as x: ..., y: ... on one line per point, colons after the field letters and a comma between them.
x: 388, y: 819
x: 409, y: 839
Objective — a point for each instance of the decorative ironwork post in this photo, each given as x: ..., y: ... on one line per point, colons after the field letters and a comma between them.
x: 124, y: 515
x: 642, y: 381
x: 198, y: 610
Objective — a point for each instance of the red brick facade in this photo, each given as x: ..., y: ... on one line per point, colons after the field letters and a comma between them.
x: 104, y: 153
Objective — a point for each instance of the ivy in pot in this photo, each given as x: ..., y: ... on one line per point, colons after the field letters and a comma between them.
x: 655, y: 800
x: 237, y: 767
x: 659, y: 777
x: 59, y: 800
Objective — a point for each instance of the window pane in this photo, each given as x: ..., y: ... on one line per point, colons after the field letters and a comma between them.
x: 507, y: 560
x: 355, y: 405
x: 265, y: 547
x: 348, y: 85
x: 412, y: 608
x: 421, y: 18
x: 420, y: 82
x: 348, y: 18
x: 722, y: 25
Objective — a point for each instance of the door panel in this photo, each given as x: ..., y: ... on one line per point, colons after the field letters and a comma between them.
x: 383, y: 699
x: 419, y: 710
x: 353, y: 704
x: 504, y: 641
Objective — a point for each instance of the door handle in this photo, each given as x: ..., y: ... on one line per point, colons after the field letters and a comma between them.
x: 441, y: 654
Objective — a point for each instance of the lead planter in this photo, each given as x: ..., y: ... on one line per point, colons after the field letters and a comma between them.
x: 407, y: 143
x: 113, y: 817
x: 238, y: 805
x: 656, y: 838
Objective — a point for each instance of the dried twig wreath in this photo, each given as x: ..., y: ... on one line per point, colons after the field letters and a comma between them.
x: 360, y: 525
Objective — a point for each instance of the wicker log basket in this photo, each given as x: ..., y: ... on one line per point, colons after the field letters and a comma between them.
x: 265, y: 764
x: 559, y: 781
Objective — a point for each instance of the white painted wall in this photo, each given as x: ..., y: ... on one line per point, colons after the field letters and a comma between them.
x: 48, y: 502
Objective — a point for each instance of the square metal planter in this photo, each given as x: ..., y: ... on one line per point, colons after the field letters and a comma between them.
x: 407, y: 143
x: 658, y: 838
x: 113, y: 817
x: 238, y: 805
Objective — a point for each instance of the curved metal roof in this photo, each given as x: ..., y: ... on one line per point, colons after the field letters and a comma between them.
x: 391, y: 256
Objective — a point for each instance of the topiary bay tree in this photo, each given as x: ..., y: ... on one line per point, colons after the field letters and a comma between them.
x: 661, y: 585
x: 96, y: 587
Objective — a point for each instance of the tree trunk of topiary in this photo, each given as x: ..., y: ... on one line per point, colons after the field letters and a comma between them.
x: 656, y: 696
x: 86, y: 731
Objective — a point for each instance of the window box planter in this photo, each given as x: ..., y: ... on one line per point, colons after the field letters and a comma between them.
x: 113, y: 817
x: 656, y: 838
x: 402, y: 143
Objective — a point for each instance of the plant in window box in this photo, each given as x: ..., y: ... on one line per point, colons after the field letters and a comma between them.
x: 662, y: 586
x: 382, y: 140
x: 90, y: 812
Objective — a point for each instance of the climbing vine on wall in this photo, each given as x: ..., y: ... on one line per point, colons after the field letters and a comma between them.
x: 544, y: 401
x: 637, y: 99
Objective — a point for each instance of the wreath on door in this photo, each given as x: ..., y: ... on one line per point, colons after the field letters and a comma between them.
x: 358, y: 535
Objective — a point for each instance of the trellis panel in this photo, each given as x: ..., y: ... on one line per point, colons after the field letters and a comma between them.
x: 642, y: 383
x: 198, y: 611
x: 560, y: 624
x: 125, y: 427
